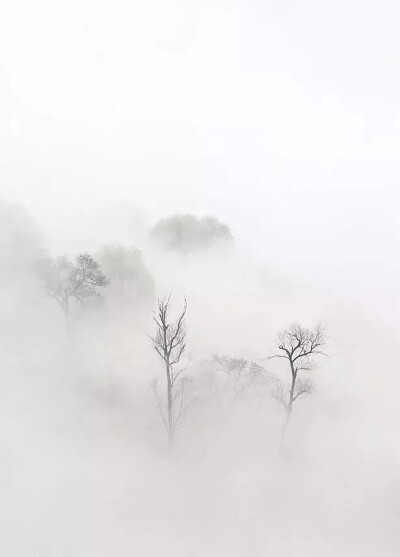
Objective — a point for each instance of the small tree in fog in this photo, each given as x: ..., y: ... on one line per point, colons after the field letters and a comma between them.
x: 297, y: 345
x: 170, y: 344
x: 130, y: 278
x: 231, y: 379
x: 65, y: 280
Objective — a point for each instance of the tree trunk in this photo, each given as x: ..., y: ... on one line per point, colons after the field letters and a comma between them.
x: 67, y: 315
x: 288, y: 409
x: 170, y: 417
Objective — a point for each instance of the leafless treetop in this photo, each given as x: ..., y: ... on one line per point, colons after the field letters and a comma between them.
x: 297, y: 344
x: 170, y: 339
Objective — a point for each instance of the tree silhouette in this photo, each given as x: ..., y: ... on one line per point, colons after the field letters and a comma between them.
x: 64, y: 280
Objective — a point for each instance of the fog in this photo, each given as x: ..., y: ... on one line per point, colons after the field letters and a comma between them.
x: 281, y: 119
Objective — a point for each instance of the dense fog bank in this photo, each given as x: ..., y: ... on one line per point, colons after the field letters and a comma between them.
x: 85, y: 467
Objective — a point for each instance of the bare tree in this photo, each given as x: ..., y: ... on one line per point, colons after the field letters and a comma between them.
x: 64, y: 280
x: 297, y: 345
x: 170, y: 344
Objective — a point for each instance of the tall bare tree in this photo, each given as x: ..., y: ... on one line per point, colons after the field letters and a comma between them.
x: 65, y: 280
x: 298, y: 346
x: 170, y: 344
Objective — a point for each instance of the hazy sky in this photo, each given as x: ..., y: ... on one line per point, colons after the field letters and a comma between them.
x: 280, y: 117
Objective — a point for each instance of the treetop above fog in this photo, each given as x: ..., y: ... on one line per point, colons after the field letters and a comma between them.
x: 186, y: 232
x: 127, y: 270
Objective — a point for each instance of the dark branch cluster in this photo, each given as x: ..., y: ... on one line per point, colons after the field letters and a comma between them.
x: 297, y: 344
x: 305, y: 341
x: 170, y: 339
